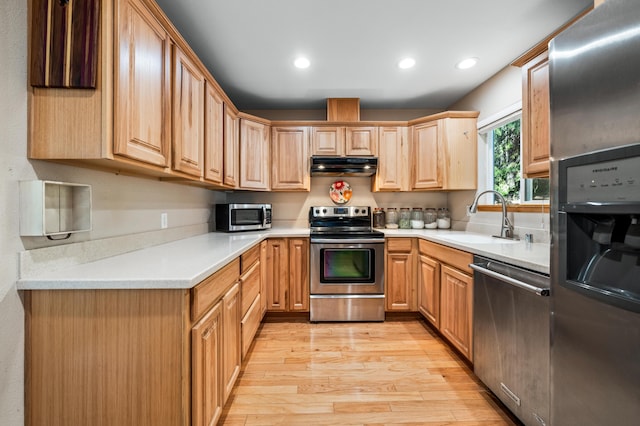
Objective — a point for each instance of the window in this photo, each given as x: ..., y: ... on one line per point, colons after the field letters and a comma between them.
x: 504, y: 174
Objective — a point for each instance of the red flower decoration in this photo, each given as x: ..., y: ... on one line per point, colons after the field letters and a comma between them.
x: 338, y: 185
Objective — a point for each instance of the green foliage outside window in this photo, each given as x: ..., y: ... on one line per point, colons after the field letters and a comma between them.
x: 506, y: 161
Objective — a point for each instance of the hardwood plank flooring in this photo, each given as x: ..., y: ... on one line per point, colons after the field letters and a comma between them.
x: 391, y: 373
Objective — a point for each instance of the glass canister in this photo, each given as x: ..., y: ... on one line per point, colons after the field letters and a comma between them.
x: 404, y: 221
x: 430, y: 218
x: 444, y: 219
x: 378, y: 218
x: 417, y: 221
x: 392, y: 218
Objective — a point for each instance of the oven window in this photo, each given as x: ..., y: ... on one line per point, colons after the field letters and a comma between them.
x: 350, y: 265
x: 246, y: 216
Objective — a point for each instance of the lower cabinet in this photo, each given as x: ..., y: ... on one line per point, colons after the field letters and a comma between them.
x: 456, y: 309
x: 429, y: 289
x: 287, y: 274
x: 400, y: 271
x: 232, y: 307
x: 445, y: 293
x: 207, y: 395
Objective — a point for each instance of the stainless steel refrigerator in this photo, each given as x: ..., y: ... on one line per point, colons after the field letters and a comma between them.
x: 595, y: 209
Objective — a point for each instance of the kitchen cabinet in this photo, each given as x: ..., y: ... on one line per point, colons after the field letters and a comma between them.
x: 231, y: 146
x: 175, y: 351
x: 429, y: 289
x: 444, y: 152
x: 188, y: 115
x: 288, y: 274
x: 290, y: 158
x: 446, y: 293
x: 299, y: 274
x: 125, y: 122
x: 213, y: 135
x: 254, y: 155
x: 400, y: 271
x: 341, y: 140
x: 327, y: 141
x: 361, y: 140
x: 456, y: 308
x: 393, y: 160
x: 535, y: 117
x: 206, y: 369
x: 251, y: 295
x: 232, y: 345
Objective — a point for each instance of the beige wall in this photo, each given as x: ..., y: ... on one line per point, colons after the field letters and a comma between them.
x: 121, y: 205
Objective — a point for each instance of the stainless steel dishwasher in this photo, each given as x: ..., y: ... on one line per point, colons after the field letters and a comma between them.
x: 511, y: 337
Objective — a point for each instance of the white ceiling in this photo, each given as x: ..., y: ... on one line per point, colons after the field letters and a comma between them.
x: 354, y: 46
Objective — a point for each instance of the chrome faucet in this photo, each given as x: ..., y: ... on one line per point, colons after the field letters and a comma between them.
x: 506, y: 230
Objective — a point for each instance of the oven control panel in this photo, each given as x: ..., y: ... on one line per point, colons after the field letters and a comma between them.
x: 333, y: 211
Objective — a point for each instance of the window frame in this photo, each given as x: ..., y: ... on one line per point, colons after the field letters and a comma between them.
x: 485, y: 175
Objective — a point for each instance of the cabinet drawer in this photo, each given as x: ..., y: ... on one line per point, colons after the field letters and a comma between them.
x: 250, y: 287
x: 457, y: 258
x: 399, y: 244
x: 249, y: 257
x: 250, y: 323
x: 205, y: 294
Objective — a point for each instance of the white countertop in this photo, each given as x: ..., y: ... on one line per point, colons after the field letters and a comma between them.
x: 184, y: 263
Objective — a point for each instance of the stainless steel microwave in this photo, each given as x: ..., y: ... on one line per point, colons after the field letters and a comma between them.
x: 242, y: 217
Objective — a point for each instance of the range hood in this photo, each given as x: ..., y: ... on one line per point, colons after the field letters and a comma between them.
x: 344, y: 166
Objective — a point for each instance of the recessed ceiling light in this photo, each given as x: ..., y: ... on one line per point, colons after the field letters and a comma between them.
x: 301, y: 62
x: 406, y: 63
x: 467, y: 63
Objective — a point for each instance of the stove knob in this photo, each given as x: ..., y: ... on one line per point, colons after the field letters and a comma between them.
x: 324, y: 210
x: 364, y: 211
x: 356, y: 210
x: 317, y: 212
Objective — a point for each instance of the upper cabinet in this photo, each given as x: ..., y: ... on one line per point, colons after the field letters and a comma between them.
x: 535, y: 117
x: 231, y: 146
x: 188, y: 115
x: 341, y: 140
x: 254, y: 155
x: 361, y: 140
x: 141, y: 86
x: 290, y: 158
x: 444, y: 152
x: 327, y: 141
x: 393, y: 160
x: 213, y: 135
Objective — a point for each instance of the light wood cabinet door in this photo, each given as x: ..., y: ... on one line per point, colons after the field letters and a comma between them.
x: 456, y: 309
x: 299, y: 274
x: 188, y: 116
x: 429, y: 289
x: 400, y: 274
x: 213, y: 135
x: 290, y: 159
x: 361, y: 140
x: 393, y: 159
x: 263, y: 278
x: 232, y: 348
x: 327, y: 141
x: 535, y: 117
x: 207, y: 399
x: 277, y: 274
x: 254, y: 155
x: 142, y: 86
x: 231, y: 146
x: 427, y: 156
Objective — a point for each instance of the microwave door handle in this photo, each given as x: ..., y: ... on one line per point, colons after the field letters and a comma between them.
x: 264, y: 215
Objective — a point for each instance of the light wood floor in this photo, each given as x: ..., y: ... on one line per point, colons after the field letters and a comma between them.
x: 396, y: 372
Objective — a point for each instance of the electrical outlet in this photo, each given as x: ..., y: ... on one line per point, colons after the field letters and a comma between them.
x: 164, y: 220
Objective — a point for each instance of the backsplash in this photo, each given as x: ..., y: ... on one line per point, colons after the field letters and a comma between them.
x: 292, y: 209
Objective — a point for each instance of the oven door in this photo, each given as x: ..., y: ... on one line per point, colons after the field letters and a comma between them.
x: 347, y: 267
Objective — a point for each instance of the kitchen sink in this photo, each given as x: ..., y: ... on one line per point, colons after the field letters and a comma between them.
x: 477, y: 239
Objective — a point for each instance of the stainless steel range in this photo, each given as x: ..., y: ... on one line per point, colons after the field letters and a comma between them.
x: 347, y: 265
